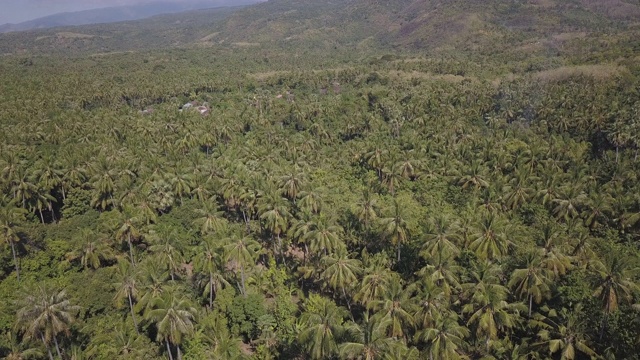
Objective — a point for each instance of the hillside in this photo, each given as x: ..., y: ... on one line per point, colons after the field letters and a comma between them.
x: 419, y: 24
x: 324, y: 180
x: 160, y: 31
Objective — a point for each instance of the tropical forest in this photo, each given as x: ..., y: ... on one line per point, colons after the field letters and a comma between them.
x: 314, y: 179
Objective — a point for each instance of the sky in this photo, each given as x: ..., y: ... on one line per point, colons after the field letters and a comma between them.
x: 15, y: 11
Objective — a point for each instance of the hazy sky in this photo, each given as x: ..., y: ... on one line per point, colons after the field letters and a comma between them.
x: 15, y: 11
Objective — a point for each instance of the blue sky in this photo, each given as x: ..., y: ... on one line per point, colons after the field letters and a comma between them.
x: 15, y: 11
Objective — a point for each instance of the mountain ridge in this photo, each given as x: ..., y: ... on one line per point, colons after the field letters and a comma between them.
x: 118, y: 14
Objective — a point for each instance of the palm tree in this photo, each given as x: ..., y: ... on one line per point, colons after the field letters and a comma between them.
x: 20, y: 350
x: 376, y: 159
x: 431, y: 301
x: 291, y: 184
x: 441, y: 238
x: 553, y: 251
x: 9, y: 217
x: 366, y: 209
x: 490, y: 312
x: 395, y: 228
x: 341, y: 272
x: 42, y: 200
x: 321, y: 325
x: 166, y: 248
x: 46, y: 313
x: 616, y: 283
x: 174, y: 318
x: 324, y: 238
x: 152, y: 279
x: 517, y: 190
x: 126, y: 286
x: 565, y: 334
x: 241, y: 252
x: 276, y: 215
x: 569, y: 200
x: 310, y: 201
x: 128, y: 230
x: 95, y: 249
x: 22, y: 188
x: 369, y: 340
x: 396, y: 305
x: 474, y: 177
x: 490, y: 241
x: 445, y: 338
x: 374, y: 285
x: 103, y: 178
x: 532, y: 282
x: 443, y: 272
x: 209, y: 262
x: 120, y: 342
x: 210, y: 218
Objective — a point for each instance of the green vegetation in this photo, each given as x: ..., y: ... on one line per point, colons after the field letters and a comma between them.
x: 340, y: 200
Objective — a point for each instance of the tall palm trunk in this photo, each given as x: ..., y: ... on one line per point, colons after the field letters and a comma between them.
x: 179, y: 352
x: 344, y: 294
x: 133, y: 315
x: 169, y: 350
x: 530, y: 304
x: 244, y: 292
x: 55, y: 341
x: 210, y: 291
x: 133, y: 262
x: 15, y: 258
x: 41, y: 217
x: 46, y: 346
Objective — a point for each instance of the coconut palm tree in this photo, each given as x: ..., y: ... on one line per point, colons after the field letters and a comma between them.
x: 10, y: 216
x: 127, y: 287
x: 310, y: 201
x: 45, y: 314
x: 533, y: 281
x: 241, y: 252
x: 174, y: 318
x: 615, y: 283
x: 20, y: 350
x: 445, y: 339
x: 120, y: 342
x: 366, y: 210
x: 341, y: 273
x: 395, y: 227
x: 95, y: 249
x: 491, y: 240
x: 368, y: 340
x: 564, y: 332
x: 324, y: 238
x: 128, y: 229
x: 275, y: 215
x: 441, y: 238
x: 397, y: 305
x: 375, y: 282
x: 166, y: 248
x: 209, y: 263
x: 321, y: 326
x: 491, y: 314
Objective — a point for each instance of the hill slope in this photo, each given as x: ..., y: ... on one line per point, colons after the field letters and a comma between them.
x: 419, y: 23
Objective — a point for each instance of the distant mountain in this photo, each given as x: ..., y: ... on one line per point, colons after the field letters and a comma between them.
x: 422, y: 23
x: 120, y: 13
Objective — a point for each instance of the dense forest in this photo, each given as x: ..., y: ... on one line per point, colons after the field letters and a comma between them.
x: 321, y: 201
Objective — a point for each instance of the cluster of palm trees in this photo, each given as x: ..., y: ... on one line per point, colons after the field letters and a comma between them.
x: 415, y: 219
